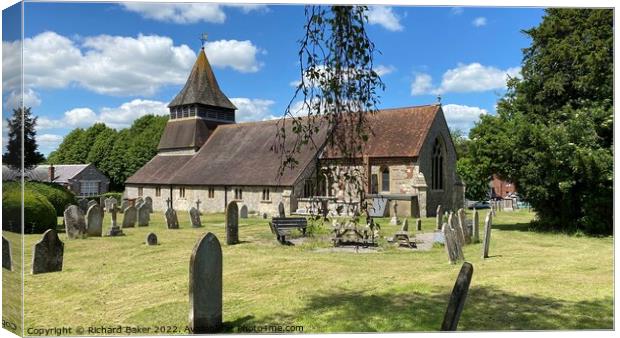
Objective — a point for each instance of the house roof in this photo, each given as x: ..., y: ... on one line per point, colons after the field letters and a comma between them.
x: 62, y: 172
x: 397, y: 132
x: 202, y: 87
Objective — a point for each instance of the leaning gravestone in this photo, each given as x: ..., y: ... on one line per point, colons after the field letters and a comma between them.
x: 94, y: 220
x: 172, y: 221
x: 457, y: 298
x: 48, y: 253
x: 438, y: 216
x: 75, y: 224
x: 205, y: 286
x: 487, y: 235
x: 130, y: 217
x: 149, y: 203
x: 476, y: 227
x: 449, y: 243
x: 243, y: 212
x: 144, y: 215
x: 194, y: 217
x: 90, y: 204
x: 281, y: 212
x: 7, y: 259
x: 151, y: 239
x: 83, y: 204
x: 463, y: 225
x: 232, y: 223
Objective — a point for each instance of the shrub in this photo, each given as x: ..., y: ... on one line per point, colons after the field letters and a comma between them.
x: 39, y: 213
x: 58, y: 195
x: 117, y: 195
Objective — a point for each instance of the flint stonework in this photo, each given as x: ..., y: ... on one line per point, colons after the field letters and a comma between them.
x: 194, y: 216
x: 232, y: 223
x: 7, y: 257
x: 205, y: 286
x: 457, y: 298
x: 130, y: 217
x: 48, y: 253
x: 94, y: 221
x: 172, y: 221
x: 75, y: 224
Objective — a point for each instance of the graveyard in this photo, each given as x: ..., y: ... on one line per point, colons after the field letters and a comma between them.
x: 530, y: 280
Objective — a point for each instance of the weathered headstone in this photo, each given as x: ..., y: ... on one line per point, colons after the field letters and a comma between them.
x: 90, y: 204
x: 48, y: 253
x: 75, y: 223
x: 115, y: 230
x: 281, y: 211
x: 264, y: 215
x: 487, y: 235
x: 172, y: 221
x: 7, y: 257
x: 205, y: 286
x: 130, y: 217
x: 449, y: 243
x: 461, y: 218
x: 394, y: 220
x: 439, y: 216
x: 124, y: 205
x: 94, y: 221
x: 110, y: 203
x: 418, y: 225
x: 405, y: 226
x: 243, y: 211
x: 232, y: 223
x: 149, y: 203
x: 452, y: 220
x: 139, y: 203
x: 194, y: 216
x: 144, y: 215
x: 151, y: 239
x: 457, y: 298
x: 476, y: 227
x: 83, y: 204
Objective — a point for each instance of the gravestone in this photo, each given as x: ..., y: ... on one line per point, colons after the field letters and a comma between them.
x: 449, y: 243
x: 124, y: 205
x: 151, y: 239
x: 394, y: 220
x: 264, y: 215
x: 281, y: 212
x: 130, y: 217
x: 75, y: 225
x: 83, y: 204
x: 461, y: 218
x: 94, y: 221
x: 476, y: 227
x: 139, y: 203
x: 457, y: 298
x: 48, y: 253
x: 439, y: 216
x: 243, y: 212
x: 144, y: 215
x: 487, y: 235
x: 205, y: 286
x: 172, y: 221
x: 111, y: 203
x: 452, y: 220
x: 418, y: 225
x: 232, y: 223
x: 107, y: 204
x: 102, y: 202
x: 194, y: 216
x: 90, y: 204
x: 115, y: 230
x: 405, y: 226
x: 149, y: 203
x: 7, y: 258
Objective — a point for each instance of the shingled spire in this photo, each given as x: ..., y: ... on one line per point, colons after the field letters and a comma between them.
x: 196, y: 111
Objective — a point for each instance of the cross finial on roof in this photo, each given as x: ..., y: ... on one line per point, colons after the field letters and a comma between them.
x: 203, y: 39
x: 438, y: 98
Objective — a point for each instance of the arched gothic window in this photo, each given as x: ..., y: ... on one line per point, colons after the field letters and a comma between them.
x: 437, y: 167
x: 385, y: 179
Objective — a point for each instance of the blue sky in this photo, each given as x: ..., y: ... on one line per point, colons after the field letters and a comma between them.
x: 90, y: 62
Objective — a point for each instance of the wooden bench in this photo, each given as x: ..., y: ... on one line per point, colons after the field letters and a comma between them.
x: 281, y: 226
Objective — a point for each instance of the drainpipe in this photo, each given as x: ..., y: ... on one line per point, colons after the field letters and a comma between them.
x: 225, y: 197
x: 171, y: 199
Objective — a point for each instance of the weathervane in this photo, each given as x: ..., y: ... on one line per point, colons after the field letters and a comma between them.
x: 203, y: 39
x: 438, y: 98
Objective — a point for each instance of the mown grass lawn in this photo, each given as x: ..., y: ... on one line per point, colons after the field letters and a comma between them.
x: 532, y: 281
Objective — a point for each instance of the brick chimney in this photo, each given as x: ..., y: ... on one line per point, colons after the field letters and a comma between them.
x: 51, y: 172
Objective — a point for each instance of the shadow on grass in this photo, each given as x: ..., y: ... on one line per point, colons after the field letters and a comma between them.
x: 485, y: 309
x: 514, y: 227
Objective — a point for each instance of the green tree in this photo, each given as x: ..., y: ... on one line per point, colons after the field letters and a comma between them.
x: 553, y: 133
x: 22, y: 118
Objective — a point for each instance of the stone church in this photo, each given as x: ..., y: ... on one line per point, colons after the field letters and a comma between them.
x: 204, y: 155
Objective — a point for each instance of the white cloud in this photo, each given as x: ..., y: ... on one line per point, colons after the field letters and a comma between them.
x: 457, y: 10
x: 187, y: 13
x: 253, y: 109
x: 238, y: 55
x: 479, y: 21
x: 14, y: 99
x: 114, y: 117
x: 472, y: 77
x: 383, y: 70
x: 48, y: 142
x: 115, y: 65
x: 385, y: 17
x: 422, y: 84
x: 462, y: 117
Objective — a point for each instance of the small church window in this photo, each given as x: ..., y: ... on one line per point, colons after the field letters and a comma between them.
x: 385, y: 179
x: 140, y: 191
x: 266, y: 194
x: 238, y: 194
x: 182, y: 192
x: 437, y: 167
x: 211, y: 193
x: 157, y: 191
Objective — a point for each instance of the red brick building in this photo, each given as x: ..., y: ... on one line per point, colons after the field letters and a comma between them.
x: 501, y: 188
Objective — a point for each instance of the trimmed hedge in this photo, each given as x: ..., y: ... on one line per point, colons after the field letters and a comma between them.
x: 39, y: 213
x: 117, y: 195
x: 59, y: 196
